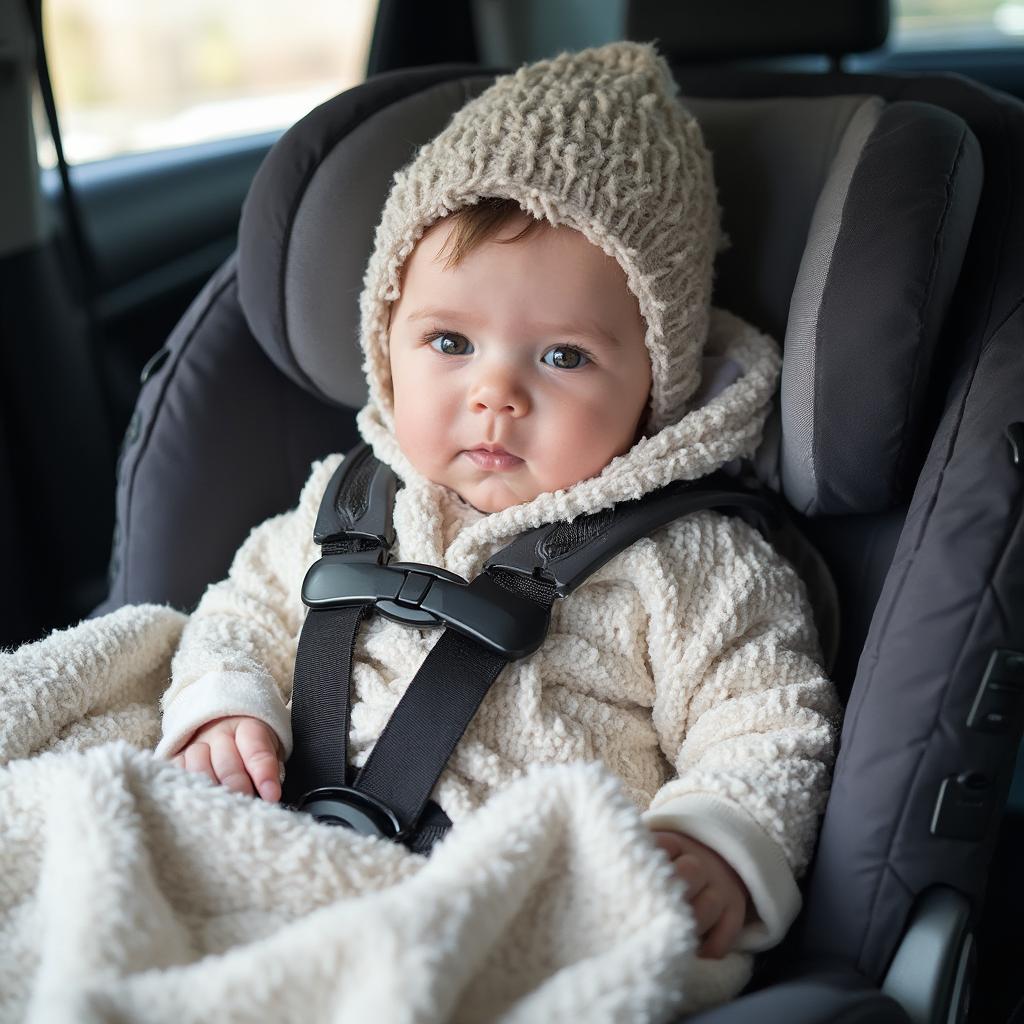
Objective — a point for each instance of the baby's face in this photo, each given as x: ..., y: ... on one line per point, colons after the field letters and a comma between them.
x: 521, y: 370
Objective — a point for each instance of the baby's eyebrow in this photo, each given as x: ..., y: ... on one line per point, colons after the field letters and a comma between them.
x: 585, y: 329
x: 430, y: 313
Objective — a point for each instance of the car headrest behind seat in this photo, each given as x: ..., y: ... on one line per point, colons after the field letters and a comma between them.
x: 713, y: 30
x: 815, y: 215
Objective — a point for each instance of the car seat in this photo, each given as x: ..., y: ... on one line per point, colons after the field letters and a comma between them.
x: 874, y: 228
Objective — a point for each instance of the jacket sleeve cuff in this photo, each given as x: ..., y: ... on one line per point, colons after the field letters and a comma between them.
x: 218, y: 695
x: 752, y: 853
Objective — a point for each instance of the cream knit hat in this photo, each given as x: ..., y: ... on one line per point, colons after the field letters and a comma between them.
x: 595, y: 140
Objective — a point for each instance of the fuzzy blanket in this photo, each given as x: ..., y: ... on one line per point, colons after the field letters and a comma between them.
x: 133, y: 891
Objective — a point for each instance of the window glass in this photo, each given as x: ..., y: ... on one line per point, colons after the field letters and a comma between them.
x: 130, y: 76
x: 957, y: 23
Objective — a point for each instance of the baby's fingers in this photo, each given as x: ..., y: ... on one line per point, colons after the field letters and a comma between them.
x: 693, y: 872
x: 257, y: 745
x: 707, y: 909
x: 228, y: 764
x: 722, y: 936
x: 670, y: 842
x: 197, y: 759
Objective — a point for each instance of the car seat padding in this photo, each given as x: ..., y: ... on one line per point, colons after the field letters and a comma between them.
x: 817, y: 165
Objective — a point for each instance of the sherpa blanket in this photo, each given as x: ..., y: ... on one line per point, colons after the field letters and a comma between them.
x: 131, y: 890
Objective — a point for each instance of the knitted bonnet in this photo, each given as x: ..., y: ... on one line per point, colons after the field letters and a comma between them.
x: 595, y: 140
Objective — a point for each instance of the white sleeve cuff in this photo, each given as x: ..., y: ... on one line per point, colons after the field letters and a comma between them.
x: 757, y: 858
x: 218, y: 695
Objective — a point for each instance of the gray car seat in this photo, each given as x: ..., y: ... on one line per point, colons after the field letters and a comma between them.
x: 874, y: 228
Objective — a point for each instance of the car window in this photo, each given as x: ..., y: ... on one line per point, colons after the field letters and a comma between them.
x: 130, y: 77
x: 921, y: 24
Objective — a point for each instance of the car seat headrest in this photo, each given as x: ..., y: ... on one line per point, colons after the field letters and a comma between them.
x: 308, y: 223
x: 709, y: 30
x: 810, y: 202
x: 882, y: 260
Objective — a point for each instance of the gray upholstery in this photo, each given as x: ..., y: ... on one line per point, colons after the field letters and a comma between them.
x: 304, y: 212
x: 869, y: 301
x: 334, y: 226
x: 800, y: 378
x: 953, y: 595
x: 954, y: 591
x: 772, y: 159
x: 825, y: 997
x: 219, y: 441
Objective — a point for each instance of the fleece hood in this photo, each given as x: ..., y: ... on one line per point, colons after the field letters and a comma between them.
x: 597, y: 141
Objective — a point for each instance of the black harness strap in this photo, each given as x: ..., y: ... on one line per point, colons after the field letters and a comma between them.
x: 432, y: 717
x: 319, y: 703
x: 427, y: 723
x: 500, y: 616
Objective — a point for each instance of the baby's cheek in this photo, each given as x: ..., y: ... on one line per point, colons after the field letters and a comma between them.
x: 582, y: 443
x: 412, y: 428
x: 424, y: 427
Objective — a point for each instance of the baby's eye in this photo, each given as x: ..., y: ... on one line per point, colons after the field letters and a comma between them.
x: 564, y: 357
x: 451, y: 344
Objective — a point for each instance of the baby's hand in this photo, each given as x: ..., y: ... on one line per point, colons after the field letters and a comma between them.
x: 717, y: 894
x: 239, y: 752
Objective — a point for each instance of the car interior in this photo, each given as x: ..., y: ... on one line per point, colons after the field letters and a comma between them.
x: 179, y: 336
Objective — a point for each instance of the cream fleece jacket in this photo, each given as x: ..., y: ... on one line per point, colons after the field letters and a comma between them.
x: 689, y: 664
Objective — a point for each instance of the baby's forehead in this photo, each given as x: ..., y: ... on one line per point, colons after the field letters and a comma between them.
x: 553, y: 266
x: 518, y: 243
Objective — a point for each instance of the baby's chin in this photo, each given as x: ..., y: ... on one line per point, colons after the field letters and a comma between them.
x: 488, y: 503
x: 494, y: 494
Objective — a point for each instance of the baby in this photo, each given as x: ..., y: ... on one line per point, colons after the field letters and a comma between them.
x: 533, y: 320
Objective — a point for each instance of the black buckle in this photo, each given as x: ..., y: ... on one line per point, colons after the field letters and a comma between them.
x: 351, y: 808
x: 411, y: 605
x: 425, y: 596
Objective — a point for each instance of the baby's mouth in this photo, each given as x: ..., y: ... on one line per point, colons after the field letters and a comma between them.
x: 492, y: 457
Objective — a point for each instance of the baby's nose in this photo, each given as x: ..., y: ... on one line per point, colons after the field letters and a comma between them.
x: 499, y: 391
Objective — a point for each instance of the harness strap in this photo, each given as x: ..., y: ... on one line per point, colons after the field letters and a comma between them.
x: 499, y: 617
x: 568, y: 553
x: 419, y: 738
x: 427, y: 723
x: 320, y: 701
x: 432, y: 716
